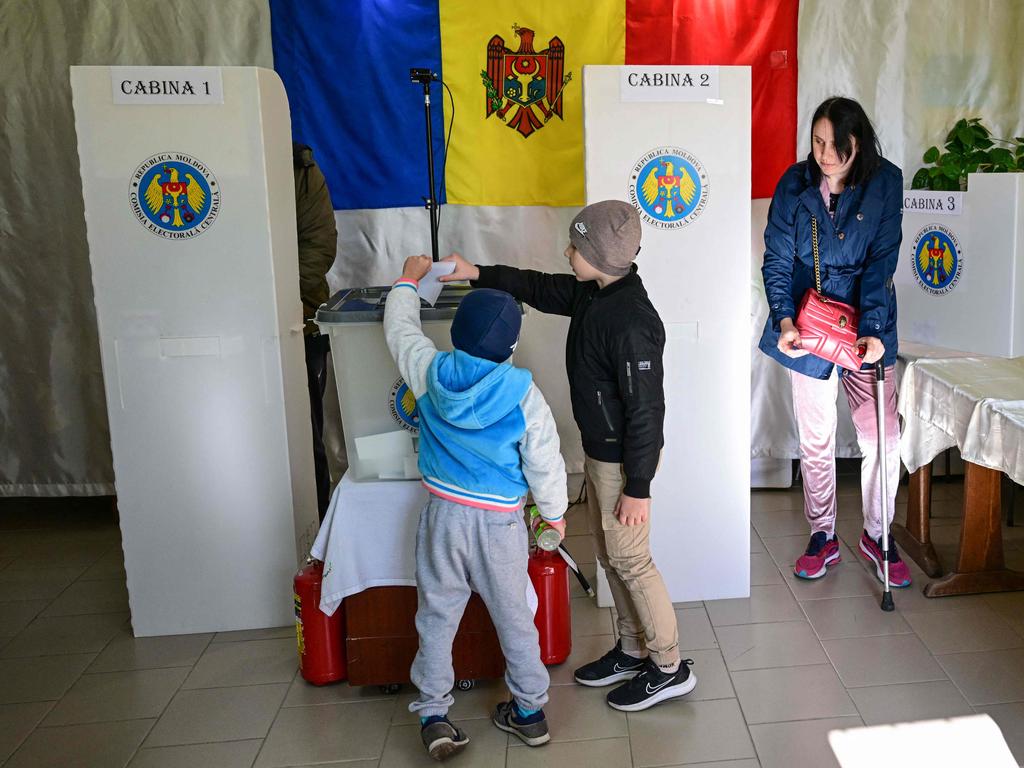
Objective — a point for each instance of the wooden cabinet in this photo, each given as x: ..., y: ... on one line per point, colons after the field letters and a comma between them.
x: 381, y: 639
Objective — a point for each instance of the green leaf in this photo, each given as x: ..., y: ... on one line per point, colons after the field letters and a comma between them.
x: 983, y: 143
x: 980, y: 130
x: 920, y: 179
x: 971, y: 168
x: 1001, y: 155
x: 966, y: 135
x: 931, y: 155
x: 951, y: 171
x: 934, y: 171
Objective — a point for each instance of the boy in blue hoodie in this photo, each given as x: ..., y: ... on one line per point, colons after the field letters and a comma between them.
x: 487, y: 437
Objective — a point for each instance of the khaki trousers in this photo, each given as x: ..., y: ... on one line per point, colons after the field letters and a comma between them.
x: 646, y: 618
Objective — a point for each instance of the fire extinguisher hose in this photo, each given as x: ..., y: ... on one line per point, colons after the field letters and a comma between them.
x: 575, y: 569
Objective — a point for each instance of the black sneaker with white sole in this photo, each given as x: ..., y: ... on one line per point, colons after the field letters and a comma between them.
x: 441, y: 738
x: 614, y: 667
x: 652, y: 686
x: 532, y: 730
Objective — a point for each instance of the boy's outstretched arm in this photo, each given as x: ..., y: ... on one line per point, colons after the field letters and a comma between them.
x: 548, y: 293
x: 542, y: 461
x: 413, y: 352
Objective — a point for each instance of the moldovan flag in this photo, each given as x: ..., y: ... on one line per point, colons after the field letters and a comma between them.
x: 514, y: 69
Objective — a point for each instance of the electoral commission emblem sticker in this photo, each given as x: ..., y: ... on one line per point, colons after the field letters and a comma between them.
x: 669, y: 187
x: 938, y: 262
x: 174, y: 196
x: 403, y: 406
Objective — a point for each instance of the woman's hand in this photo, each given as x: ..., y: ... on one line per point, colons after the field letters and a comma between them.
x: 463, y: 270
x: 416, y: 267
x: 875, y: 348
x: 789, y: 339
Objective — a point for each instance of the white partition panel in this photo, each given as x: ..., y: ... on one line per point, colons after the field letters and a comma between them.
x: 691, y: 127
x: 960, y: 280
x: 190, y: 209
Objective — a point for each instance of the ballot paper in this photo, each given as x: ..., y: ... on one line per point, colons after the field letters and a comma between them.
x: 387, y: 445
x: 430, y: 285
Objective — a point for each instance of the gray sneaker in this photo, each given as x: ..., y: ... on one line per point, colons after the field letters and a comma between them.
x: 442, y: 739
x: 532, y: 734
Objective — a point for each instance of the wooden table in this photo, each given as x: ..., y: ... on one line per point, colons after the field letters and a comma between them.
x: 381, y: 639
x: 980, y: 566
x: 958, y: 402
x: 368, y: 544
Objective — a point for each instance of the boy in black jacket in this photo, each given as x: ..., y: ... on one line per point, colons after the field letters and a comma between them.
x: 613, y: 357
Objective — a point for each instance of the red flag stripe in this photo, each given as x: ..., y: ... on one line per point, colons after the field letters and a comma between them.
x: 743, y: 32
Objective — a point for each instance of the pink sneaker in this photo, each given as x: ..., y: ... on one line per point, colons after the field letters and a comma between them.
x: 821, y: 552
x: 899, y: 574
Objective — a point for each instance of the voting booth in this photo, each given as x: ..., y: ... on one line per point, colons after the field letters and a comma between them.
x: 960, y: 280
x: 190, y: 209
x: 675, y: 142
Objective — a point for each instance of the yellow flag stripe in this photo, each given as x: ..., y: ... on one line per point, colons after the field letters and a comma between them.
x: 490, y: 162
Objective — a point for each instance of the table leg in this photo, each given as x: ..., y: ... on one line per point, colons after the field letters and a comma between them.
x: 915, y: 537
x: 980, y: 566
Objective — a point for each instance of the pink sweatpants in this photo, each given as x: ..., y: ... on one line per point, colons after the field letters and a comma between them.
x: 814, y: 403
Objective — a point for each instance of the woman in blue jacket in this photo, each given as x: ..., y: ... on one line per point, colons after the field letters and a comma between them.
x: 855, y: 197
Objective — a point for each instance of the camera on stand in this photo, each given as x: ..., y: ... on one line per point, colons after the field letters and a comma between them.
x: 422, y: 75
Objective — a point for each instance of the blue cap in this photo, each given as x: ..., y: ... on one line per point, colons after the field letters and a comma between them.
x: 487, y: 325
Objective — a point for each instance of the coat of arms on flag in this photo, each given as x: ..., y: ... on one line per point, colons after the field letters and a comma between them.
x: 527, y: 81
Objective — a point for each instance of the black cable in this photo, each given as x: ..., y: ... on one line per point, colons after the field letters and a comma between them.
x: 582, y: 498
x: 444, y: 160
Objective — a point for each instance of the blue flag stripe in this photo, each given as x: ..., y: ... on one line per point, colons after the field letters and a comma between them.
x: 345, y: 66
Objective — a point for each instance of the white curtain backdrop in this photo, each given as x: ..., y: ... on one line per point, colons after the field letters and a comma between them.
x: 916, y: 66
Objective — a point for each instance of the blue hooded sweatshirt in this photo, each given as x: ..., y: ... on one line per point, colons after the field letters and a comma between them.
x: 471, y: 423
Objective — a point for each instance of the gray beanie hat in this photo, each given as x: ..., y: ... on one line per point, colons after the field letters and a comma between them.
x: 607, y: 235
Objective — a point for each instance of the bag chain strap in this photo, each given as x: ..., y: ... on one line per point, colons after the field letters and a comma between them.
x: 817, y: 258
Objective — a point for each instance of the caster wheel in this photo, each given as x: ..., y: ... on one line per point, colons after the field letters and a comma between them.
x: 391, y: 689
x: 464, y: 685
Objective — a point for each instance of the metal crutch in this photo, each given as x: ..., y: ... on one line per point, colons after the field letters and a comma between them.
x: 887, y: 604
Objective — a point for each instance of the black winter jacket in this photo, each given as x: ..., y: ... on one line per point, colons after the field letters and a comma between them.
x: 613, y: 356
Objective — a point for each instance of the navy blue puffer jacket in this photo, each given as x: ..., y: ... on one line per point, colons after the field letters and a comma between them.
x: 859, y: 252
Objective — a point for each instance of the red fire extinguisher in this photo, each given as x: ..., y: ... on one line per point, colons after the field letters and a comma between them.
x: 549, y: 573
x: 321, y: 638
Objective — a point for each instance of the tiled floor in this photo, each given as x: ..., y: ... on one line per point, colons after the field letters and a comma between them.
x: 777, y: 670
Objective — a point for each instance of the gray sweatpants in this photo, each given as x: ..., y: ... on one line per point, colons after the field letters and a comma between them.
x: 461, y: 549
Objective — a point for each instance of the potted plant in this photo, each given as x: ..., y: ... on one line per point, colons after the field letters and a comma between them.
x: 970, y: 148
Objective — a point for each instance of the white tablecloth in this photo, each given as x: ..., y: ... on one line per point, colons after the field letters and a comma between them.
x: 973, y: 403
x: 368, y: 539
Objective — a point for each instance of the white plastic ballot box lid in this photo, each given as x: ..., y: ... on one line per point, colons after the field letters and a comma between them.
x: 372, y: 396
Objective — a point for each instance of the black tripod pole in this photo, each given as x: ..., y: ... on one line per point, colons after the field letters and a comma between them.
x: 425, y: 77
